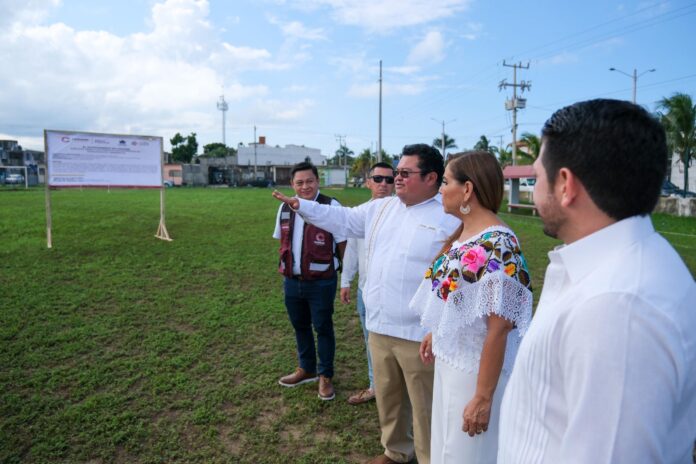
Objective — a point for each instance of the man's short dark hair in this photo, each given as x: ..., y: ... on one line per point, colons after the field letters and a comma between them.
x: 615, y: 148
x: 381, y: 164
x: 429, y: 159
x: 303, y: 166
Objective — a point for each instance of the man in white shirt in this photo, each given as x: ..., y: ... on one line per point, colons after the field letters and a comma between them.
x: 402, y: 236
x: 607, y: 371
x: 381, y: 183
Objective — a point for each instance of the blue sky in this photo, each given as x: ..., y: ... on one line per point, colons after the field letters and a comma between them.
x: 306, y: 71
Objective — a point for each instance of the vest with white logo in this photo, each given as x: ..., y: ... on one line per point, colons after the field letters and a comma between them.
x: 317, y: 260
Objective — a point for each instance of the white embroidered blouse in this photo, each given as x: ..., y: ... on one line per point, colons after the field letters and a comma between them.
x: 486, y: 274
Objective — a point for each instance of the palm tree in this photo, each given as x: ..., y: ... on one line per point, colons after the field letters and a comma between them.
x: 343, y: 156
x: 679, y: 120
x: 484, y: 144
x: 532, y: 143
x: 449, y: 143
x: 504, y: 155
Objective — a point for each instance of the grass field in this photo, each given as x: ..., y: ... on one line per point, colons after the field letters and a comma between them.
x: 116, y: 347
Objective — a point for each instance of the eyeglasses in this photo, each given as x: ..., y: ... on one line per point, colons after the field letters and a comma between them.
x: 404, y: 173
x: 380, y: 179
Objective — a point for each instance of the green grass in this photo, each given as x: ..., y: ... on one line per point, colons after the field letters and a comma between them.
x: 118, y: 347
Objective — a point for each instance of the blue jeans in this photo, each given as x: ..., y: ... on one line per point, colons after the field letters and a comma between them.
x: 360, y: 305
x: 311, y: 303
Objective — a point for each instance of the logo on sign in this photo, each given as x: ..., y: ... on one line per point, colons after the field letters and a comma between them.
x: 65, y: 139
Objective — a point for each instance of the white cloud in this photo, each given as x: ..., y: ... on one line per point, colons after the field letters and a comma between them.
x: 274, y: 110
x: 156, y: 82
x: 28, y: 12
x: 389, y: 15
x: 431, y: 49
x: 297, y: 30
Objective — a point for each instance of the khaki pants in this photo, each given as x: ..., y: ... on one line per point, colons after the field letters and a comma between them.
x: 404, y: 393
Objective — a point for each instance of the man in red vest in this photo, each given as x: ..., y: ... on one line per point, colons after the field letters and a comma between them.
x: 309, y: 259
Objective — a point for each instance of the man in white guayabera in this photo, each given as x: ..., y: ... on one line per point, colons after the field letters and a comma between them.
x: 381, y: 184
x: 607, y: 370
x: 402, y: 234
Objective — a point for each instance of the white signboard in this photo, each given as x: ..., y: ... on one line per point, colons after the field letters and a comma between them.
x: 76, y: 159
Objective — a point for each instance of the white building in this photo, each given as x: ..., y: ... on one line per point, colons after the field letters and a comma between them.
x: 275, y: 162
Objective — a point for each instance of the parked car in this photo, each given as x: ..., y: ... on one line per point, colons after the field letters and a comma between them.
x: 14, y: 179
x: 669, y: 189
x: 168, y: 183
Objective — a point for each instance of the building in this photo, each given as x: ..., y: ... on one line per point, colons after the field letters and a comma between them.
x: 12, y: 154
x: 274, y: 163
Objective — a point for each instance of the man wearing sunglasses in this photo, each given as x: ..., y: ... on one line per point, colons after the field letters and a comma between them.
x: 402, y: 236
x: 381, y: 184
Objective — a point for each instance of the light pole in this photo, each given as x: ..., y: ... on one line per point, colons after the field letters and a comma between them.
x: 633, y: 76
x: 223, y: 107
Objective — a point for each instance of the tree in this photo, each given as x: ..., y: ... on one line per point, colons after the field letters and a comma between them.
x: 484, y: 144
x: 679, y: 120
x: 218, y: 150
x: 504, y: 155
x: 364, y: 161
x: 343, y: 157
x: 184, y: 149
x: 449, y: 143
x: 532, y: 143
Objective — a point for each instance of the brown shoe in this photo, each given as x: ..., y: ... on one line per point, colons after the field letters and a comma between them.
x: 298, y: 377
x: 326, y: 389
x: 363, y: 396
x: 382, y: 459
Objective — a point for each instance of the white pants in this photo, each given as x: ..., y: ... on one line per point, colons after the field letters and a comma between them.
x: 452, y: 390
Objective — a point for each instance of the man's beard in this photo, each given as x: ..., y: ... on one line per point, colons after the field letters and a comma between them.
x: 551, y: 216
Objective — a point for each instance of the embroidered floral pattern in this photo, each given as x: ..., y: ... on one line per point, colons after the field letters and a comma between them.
x: 493, y: 251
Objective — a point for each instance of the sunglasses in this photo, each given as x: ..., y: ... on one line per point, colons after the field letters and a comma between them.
x: 380, y: 179
x: 404, y: 173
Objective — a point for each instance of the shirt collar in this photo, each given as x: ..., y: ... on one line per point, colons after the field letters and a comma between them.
x: 437, y: 197
x: 605, y: 245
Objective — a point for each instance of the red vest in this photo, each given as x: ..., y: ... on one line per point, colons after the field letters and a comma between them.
x: 317, y: 261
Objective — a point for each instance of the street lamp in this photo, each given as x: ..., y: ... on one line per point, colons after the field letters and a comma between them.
x: 633, y: 76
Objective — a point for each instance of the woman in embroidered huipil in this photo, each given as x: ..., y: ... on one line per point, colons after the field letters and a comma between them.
x: 476, y: 303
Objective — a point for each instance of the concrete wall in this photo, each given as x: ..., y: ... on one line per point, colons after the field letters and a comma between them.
x: 677, y: 206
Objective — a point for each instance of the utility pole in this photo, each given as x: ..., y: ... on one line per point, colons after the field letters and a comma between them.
x: 442, y: 138
x: 635, y: 77
x: 223, y: 107
x: 515, y: 103
x: 379, y: 138
x: 255, y: 143
x: 341, y: 144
